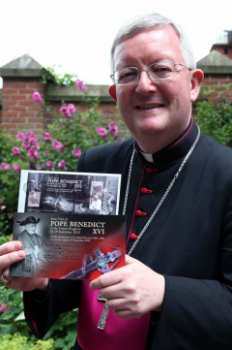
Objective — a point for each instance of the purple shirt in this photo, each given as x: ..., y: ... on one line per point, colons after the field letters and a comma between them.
x: 119, y: 333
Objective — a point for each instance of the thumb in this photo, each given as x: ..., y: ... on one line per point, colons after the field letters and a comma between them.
x: 129, y: 260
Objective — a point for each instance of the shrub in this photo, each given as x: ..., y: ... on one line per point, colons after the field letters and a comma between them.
x: 214, y: 118
x: 59, y: 148
x: 19, y: 342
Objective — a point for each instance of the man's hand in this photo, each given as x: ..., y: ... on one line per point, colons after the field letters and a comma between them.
x: 132, y: 290
x: 11, y: 253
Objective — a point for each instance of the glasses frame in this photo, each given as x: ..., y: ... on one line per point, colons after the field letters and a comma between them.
x: 174, y: 70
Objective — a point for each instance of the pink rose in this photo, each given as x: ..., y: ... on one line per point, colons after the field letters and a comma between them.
x: 64, y: 111
x: 76, y: 153
x: 33, y: 153
x: 5, y: 166
x: 15, y: 150
x: 16, y: 167
x: 68, y: 111
x: 3, y: 308
x: 49, y: 165
x: 3, y: 207
x: 20, y: 136
x: 81, y: 85
x: 62, y: 165
x: 71, y: 109
x: 101, y: 131
x: 57, y: 145
x: 30, y: 135
x: 37, y: 98
x: 113, y: 128
x: 47, y: 137
x: 38, y: 167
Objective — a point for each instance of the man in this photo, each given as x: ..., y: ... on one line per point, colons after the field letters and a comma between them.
x: 175, y: 290
x: 32, y: 244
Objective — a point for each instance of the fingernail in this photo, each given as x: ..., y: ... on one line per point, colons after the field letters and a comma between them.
x: 21, y: 254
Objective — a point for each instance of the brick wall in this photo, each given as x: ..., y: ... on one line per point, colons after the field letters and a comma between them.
x: 22, y: 77
x: 221, y: 85
x: 19, y: 111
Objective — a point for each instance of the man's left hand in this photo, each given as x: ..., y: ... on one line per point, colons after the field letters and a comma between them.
x: 132, y: 290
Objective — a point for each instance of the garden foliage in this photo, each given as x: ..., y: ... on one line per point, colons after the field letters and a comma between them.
x: 59, y: 148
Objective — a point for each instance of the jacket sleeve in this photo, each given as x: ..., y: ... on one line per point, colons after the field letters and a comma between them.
x: 197, y: 313
x: 42, y: 309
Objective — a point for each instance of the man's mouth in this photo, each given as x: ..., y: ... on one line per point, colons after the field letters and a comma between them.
x: 151, y: 106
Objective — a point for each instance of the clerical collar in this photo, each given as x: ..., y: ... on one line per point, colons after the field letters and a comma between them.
x: 177, y: 149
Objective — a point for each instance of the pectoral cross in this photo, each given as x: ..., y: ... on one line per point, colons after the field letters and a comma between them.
x: 102, y: 322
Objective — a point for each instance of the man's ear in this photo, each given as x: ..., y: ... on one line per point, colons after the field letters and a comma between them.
x: 112, y: 92
x: 196, y: 81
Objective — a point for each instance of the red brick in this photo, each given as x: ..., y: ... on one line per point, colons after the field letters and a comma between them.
x: 26, y: 103
x: 18, y: 97
x: 9, y: 114
x: 8, y: 103
x: 36, y: 108
x: 10, y: 91
x: 31, y: 120
x: 6, y: 84
x: 25, y: 126
x: 18, y: 85
x: 17, y: 120
x: 5, y: 96
x: 28, y: 90
x: 37, y: 86
x: 18, y: 108
x: 9, y: 126
x: 27, y: 114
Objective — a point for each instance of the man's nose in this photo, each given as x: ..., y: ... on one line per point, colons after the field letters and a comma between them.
x: 145, y: 84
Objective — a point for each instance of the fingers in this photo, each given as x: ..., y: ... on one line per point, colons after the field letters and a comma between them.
x: 4, y: 280
x: 109, y: 279
x: 10, y: 253
x: 10, y: 247
x: 113, y: 277
x: 129, y: 260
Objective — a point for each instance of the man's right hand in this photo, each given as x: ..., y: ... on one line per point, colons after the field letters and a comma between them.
x: 11, y: 253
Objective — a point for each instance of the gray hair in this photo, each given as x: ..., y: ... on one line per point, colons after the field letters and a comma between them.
x: 153, y: 20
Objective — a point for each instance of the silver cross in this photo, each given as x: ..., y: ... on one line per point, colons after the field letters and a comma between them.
x: 102, y: 322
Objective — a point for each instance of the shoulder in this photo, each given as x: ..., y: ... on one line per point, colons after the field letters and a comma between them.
x: 217, y: 152
x: 215, y: 160
x: 100, y: 158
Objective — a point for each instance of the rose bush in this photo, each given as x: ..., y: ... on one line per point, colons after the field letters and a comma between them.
x: 59, y: 148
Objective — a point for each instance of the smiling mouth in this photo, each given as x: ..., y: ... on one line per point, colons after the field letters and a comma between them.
x: 152, y: 106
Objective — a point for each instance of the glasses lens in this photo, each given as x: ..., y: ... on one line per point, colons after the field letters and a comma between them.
x: 126, y: 75
x: 161, y: 70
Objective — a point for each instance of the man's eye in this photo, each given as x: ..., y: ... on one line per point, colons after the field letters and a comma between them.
x: 161, y: 70
x: 127, y: 76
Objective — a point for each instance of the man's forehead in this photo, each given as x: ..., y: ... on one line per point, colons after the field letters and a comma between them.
x: 155, y: 28
x: 145, y: 34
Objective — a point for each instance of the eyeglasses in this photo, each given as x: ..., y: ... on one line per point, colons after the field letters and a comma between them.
x: 156, y: 71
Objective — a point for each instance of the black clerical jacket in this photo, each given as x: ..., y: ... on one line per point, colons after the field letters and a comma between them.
x: 189, y: 241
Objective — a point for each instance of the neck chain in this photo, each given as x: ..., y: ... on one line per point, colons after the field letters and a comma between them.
x: 165, y: 193
x: 103, y: 318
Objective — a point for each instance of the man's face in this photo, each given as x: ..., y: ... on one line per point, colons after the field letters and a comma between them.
x: 30, y: 228
x: 160, y: 110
